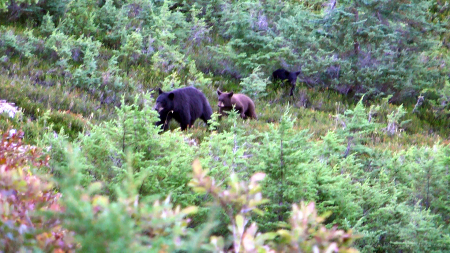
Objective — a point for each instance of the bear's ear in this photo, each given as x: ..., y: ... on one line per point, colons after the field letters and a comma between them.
x: 297, y: 73
x: 219, y: 92
x: 230, y: 94
x: 171, y: 95
x: 160, y: 91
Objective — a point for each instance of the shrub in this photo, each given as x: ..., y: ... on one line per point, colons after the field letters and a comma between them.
x: 12, y: 44
x: 299, y: 169
x: 24, y: 196
x: 255, y: 85
x: 127, y: 222
x: 47, y: 26
x: 238, y: 199
x: 79, y: 18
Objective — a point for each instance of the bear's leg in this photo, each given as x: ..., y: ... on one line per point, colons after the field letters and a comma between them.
x: 249, y: 114
x: 253, y: 114
x: 222, y: 113
x: 291, y: 93
x: 183, y: 127
x: 166, y: 123
x: 161, y: 121
x: 185, y: 120
x: 205, y: 119
x: 191, y: 124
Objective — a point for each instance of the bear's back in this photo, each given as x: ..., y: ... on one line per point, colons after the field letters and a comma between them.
x: 247, y: 104
x: 194, y: 99
x: 189, y: 91
x: 188, y: 94
x: 242, y: 98
x: 281, y: 74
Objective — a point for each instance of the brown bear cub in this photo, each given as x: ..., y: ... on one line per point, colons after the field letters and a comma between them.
x: 241, y: 103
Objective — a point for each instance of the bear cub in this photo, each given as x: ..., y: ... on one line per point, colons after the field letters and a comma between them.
x: 241, y: 103
x: 282, y: 74
x: 185, y: 105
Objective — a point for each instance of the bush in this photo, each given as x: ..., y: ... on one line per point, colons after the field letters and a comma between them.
x: 238, y: 199
x: 24, y: 196
x: 70, y: 111
x: 12, y: 44
x: 255, y: 85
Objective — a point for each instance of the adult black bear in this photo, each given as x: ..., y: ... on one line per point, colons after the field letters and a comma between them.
x: 185, y: 105
x: 241, y: 103
x: 282, y: 74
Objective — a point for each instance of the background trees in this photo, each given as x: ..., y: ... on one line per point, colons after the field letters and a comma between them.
x: 361, y: 139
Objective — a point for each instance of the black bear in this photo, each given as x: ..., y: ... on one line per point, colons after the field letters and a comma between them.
x: 185, y: 105
x: 241, y: 103
x: 282, y: 74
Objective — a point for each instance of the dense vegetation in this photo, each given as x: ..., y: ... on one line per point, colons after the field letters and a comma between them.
x: 358, y: 159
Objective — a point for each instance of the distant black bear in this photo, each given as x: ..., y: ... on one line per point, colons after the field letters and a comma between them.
x: 282, y: 74
x: 185, y: 105
x: 241, y: 103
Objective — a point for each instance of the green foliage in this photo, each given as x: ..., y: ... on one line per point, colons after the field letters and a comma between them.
x: 199, y: 30
x: 69, y: 52
x: 304, y: 220
x: 15, y: 45
x: 442, y: 104
x: 255, y: 85
x: 394, y: 120
x: 240, y: 198
x: 379, y: 168
x: 79, y: 18
x: 248, y: 26
x: 227, y: 152
x: 59, y: 43
x: 132, y: 47
x: 86, y: 75
x: 196, y: 78
x: 64, y: 109
x: 167, y: 32
x: 357, y: 125
x: 3, y: 4
x: 132, y: 135
x: 305, y: 231
x: 440, y: 11
x: 407, y: 229
x: 47, y: 26
x: 129, y: 223
x: 106, y: 16
x: 298, y: 171
x: 32, y: 10
x: 171, y: 82
x: 111, y: 79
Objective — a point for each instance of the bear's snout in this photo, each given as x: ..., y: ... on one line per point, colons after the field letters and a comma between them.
x: 220, y: 104
x: 158, y: 108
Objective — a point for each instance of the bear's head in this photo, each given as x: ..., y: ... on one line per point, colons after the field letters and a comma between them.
x: 225, y: 99
x: 164, y: 102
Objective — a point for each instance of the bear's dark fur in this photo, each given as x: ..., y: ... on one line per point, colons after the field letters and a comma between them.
x: 185, y: 105
x: 241, y: 103
x: 282, y: 74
